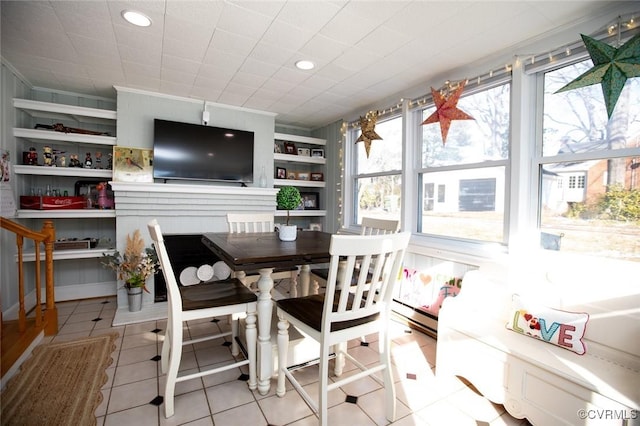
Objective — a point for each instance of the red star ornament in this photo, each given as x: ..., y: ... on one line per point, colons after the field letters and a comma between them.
x: 446, y: 111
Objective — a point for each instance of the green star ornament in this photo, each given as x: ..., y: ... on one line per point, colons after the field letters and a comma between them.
x: 611, y: 68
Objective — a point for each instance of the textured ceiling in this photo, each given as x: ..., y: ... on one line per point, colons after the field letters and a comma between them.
x: 242, y: 53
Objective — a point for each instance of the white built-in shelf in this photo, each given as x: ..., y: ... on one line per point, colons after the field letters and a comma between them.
x: 62, y: 171
x: 289, y: 158
x: 301, y: 213
x: 80, y: 114
x: 51, y: 135
x: 69, y: 254
x: 299, y: 139
x: 65, y: 214
x: 303, y: 183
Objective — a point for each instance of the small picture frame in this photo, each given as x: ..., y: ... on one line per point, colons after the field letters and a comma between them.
x: 281, y: 173
x: 306, y: 152
x: 315, y: 227
x: 290, y: 148
x: 317, y: 176
x: 310, y: 200
x: 303, y: 176
x: 291, y: 175
x: 317, y: 152
x: 277, y: 149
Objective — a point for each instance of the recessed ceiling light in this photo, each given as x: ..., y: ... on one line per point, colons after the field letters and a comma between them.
x: 136, y: 18
x: 305, y: 65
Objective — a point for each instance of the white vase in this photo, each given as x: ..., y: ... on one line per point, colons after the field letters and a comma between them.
x: 288, y: 232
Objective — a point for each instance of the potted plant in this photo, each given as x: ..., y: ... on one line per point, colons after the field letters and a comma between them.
x: 133, y: 267
x: 288, y: 198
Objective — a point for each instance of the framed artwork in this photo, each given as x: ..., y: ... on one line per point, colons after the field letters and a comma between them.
x: 304, y: 152
x: 290, y: 148
x: 281, y: 173
x: 303, y: 176
x: 317, y: 152
x: 317, y: 176
x: 277, y: 149
x: 315, y: 227
x: 291, y: 175
x: 310, y: 200
x: 132, y: 164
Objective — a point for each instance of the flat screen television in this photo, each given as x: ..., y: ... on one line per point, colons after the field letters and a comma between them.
x: 195, y: 152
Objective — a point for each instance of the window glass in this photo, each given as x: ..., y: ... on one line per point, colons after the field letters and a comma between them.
x: 484, y: 138
x: 378, y: 179
x: 593, y: 194
x: 467, y: 200
x: 469, y: 204
x: 576, y: 121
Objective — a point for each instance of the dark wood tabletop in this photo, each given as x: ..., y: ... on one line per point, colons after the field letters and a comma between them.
x: 250, y: 251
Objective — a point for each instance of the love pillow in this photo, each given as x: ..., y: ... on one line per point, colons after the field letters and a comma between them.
x: 561, y: 328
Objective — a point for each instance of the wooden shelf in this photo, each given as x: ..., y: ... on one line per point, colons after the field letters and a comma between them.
x: 62, y: 171
x: 30, y: 256
x: 302, y: 183
x: 300, y: 139
x: 65, y: 214
x: 301, y: 213
x: 80, y: 114
x: 50, y: 135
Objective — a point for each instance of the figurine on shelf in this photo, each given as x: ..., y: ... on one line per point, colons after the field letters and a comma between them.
x: 110, y: 161
x: 88, y: 162
x: 47, y: 153
x: 32, y: 157
x: 63, y: 161
x: 73, y: 160
x: 98, y: 160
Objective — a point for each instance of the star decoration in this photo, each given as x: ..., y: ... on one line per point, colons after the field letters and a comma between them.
x: 368, y: 129
x: 446, y: 110
x: 611, y: 68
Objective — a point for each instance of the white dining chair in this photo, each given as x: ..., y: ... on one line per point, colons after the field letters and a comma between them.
x: 340, y: 315
x: 205, y: 300
x: 258, y: 222
x: 370, y: 226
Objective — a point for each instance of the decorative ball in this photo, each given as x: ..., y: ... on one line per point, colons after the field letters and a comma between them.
x: 221, y: 270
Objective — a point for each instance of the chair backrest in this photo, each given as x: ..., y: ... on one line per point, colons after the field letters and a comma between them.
x: 173, y: 293
x: 250, y: 222
x: 372, y: 226
x: 380, y: 254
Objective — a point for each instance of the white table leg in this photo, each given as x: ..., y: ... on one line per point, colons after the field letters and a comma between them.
x: 265, y: 308
x: 305, y: 279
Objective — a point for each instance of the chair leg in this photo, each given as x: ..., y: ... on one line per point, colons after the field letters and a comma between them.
x: 251, y: 333
x: 172, y: 373
x: 166, y: 352
x: 340, y: 360
x: 389, y: 386
x: 235, y: 351
x: 323, y: 395
x: 283, y: 350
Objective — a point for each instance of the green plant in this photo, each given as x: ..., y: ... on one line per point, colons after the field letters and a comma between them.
x: 136, y: 264
x: 288, y: 198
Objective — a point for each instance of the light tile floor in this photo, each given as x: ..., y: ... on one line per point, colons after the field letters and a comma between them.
x: 131, y: 394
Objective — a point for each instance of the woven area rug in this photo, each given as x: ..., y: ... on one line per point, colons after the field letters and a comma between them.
x: 59, y: 384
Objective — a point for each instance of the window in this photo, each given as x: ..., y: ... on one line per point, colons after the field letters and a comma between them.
x: 378, y: 179
x: 470, y: 168
x: 589, y: 169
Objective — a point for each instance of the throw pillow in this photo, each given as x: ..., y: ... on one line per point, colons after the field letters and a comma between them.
x: 561, y: 328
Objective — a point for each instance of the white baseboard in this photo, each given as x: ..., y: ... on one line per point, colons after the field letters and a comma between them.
x: 64, y: 293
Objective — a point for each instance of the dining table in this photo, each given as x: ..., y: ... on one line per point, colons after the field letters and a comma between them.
x: 264, y: 252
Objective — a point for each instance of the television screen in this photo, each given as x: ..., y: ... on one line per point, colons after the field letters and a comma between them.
x: 195, y: 152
